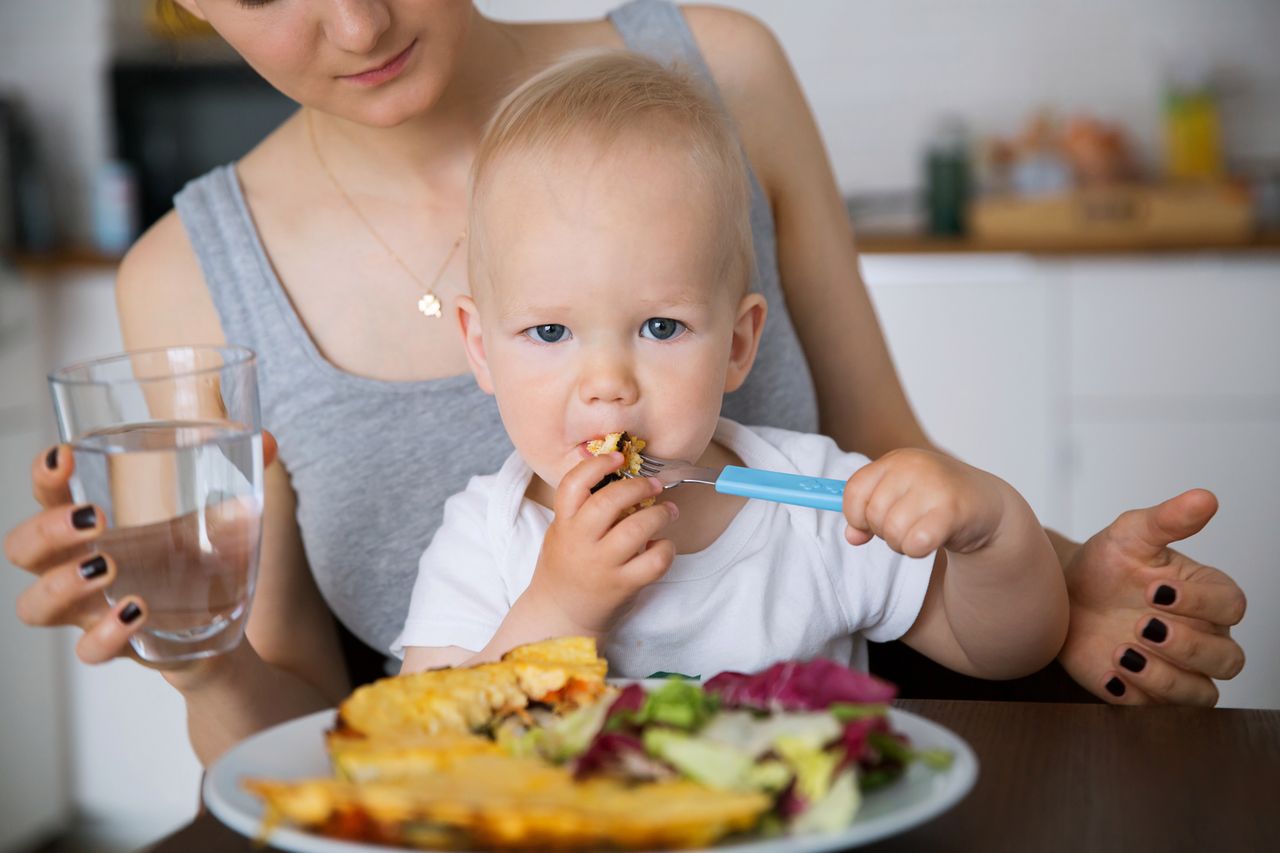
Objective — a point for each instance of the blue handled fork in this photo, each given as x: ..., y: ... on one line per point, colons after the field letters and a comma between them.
x: 815, y: 492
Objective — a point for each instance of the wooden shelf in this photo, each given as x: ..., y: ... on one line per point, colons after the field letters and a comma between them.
x: 873, y: 243
x: 64, y: 261
x: 83, y: 259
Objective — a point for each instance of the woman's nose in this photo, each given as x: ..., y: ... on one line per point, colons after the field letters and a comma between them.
x: 356, y: 26
x: 606, y: 380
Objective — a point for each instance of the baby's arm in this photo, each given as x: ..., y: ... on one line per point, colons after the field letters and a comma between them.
x: 996, y: 605
x: 591, y: 564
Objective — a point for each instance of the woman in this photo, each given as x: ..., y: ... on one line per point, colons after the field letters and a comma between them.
x: 314, y: 250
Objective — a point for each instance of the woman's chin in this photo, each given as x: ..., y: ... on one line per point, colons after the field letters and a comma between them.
x: 387, y: 110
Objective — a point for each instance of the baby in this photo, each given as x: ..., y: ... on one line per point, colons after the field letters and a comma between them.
x: 610, y: 265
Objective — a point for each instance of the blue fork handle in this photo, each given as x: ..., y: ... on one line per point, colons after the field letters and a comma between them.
x: 816, y: 492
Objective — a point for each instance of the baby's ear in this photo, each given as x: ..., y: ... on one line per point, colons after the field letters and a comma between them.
x: 752, y: 310
x: 473, y: 342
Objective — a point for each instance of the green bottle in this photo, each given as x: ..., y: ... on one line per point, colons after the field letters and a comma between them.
x: 947, y: 179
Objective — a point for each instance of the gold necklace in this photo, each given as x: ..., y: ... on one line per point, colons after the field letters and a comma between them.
x: 428, y: 303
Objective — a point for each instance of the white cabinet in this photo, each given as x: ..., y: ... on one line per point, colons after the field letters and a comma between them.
x: 1174, y: 370
x: 976, y: 347
x: 1124, y: 464
x: 107, y: 742
x: 1099, y: 385
x: 1152, y: 332
x: 35, y: 795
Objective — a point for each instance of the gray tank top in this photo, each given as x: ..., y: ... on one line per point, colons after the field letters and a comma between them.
x: 372, y: 462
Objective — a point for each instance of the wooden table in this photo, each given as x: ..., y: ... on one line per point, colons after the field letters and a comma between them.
x: 1066, y: 778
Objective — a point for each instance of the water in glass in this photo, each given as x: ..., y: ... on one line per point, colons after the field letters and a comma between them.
x: 183, y: 501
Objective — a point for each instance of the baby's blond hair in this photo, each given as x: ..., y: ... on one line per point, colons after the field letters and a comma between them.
x: 606, y: 95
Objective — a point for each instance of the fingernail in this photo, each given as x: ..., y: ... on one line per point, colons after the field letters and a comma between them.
x: 1132, y: 661
x: 1155, y: 631
x: 1165, y: 595
x: 674, y: 510
x: 51, y: 459
x: 84, y: 518
x: 1115, y: 687
x: 130, y: 613
x: 95, y: 567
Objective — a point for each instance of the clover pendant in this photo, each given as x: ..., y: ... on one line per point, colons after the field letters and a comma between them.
x: 429, y: 305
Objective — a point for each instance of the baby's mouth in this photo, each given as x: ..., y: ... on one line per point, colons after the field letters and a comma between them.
x: 620, y: 441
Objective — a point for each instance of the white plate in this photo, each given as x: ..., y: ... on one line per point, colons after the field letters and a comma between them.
x: 295, y: 750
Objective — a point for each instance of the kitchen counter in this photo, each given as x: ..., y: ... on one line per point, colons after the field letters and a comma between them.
x: 871, y: 243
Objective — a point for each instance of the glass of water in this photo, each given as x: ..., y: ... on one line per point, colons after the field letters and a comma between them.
x: 168, y: 444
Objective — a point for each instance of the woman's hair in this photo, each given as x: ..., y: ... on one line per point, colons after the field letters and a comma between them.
x: 602, y: 97
x: 173, y: 21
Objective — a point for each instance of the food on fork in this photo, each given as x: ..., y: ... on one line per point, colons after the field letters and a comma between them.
x: 629, y: 446
x: 538, y: 752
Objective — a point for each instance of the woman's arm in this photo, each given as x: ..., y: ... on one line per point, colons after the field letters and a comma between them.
x: 291, y: 663
x: 861, y: 401
x: 1111, y: 579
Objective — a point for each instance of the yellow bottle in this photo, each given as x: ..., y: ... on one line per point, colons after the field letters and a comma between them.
x: 1193, y: 134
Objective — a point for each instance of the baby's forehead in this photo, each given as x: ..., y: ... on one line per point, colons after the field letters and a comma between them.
x: 638, y: 204
x: 629, y: 164
x: 635, y: 213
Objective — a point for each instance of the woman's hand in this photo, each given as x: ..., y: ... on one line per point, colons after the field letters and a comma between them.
x: 594, y: 560
x: 1136, y: 604
x: 56, y: 545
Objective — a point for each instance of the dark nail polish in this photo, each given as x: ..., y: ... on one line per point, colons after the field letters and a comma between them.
x: 1115, y: 687
x: 51, y: 459
x: 1155, y: 631
x: 84, y: 518
x: 1165, y: 595
x: 1132, y: 661
x: 95, y: 567
x: 131, y: 612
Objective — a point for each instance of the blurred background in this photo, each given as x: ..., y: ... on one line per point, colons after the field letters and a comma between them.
x: 1069, y: 215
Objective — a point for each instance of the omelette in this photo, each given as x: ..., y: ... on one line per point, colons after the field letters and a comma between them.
x: 562, y: 674
x: 504, y: 802
x: 416, y: 764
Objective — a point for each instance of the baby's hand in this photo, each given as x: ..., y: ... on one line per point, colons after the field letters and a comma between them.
x: 918, y: 501
x: 594, y: 561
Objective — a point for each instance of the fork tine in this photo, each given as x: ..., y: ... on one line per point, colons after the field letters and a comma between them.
x: 650, y: 465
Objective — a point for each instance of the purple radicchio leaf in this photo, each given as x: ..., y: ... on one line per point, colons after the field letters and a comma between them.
x: 791, y: 803
x: 620, y: 756
x: 799, y: 686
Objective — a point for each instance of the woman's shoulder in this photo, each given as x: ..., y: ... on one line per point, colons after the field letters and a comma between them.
x: 753, y: 75
x: 160, y: 290
x: 738, y: 47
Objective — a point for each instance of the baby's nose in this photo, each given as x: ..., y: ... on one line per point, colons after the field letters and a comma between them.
x: 608, y: 380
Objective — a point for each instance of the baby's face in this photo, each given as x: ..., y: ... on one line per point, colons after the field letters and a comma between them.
x: 602, y: 307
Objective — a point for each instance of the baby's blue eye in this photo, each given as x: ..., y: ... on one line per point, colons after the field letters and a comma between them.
x: 661, y: 329
x: 548, y: 333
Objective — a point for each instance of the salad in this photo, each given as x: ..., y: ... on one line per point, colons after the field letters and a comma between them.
x: 813, y: 736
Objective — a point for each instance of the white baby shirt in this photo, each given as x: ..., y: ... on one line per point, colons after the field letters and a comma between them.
x: 781, y: 582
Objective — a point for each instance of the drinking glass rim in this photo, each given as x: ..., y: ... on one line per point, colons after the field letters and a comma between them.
x: 235, y: 355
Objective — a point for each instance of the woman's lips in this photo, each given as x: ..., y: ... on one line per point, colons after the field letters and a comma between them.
x: 382, y: 73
